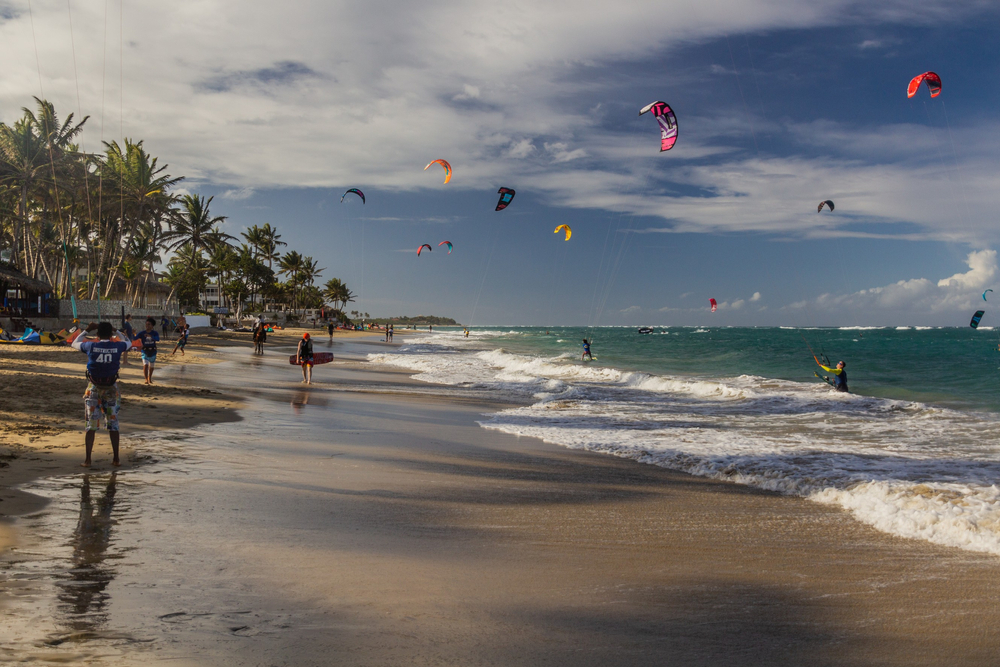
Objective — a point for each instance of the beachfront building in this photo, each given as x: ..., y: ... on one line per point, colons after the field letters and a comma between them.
x: 210, y: 298
x: 23, y: 296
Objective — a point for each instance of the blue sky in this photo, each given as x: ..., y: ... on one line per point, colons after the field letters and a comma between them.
x: 780, y: 104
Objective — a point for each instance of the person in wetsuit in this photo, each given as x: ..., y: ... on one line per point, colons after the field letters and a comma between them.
x: 586, y: 351
x: 304, y: 355
x: 839, y: 381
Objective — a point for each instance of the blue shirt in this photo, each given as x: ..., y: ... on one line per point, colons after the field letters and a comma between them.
x: 149, y: 340
x: 129, y: 331
x: 103, y: 357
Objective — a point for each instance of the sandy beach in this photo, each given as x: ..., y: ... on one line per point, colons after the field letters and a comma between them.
x: 370, y: 520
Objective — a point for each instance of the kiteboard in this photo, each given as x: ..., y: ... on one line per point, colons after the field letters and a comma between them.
x: 318, y: 358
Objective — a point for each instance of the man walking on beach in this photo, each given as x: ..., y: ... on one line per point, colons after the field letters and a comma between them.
x: 149, y: 338
x: 164, y: 326
x: 102, y: 397
x: 304, y: 356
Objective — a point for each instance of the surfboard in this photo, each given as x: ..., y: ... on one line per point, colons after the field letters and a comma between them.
x: 318, y: 358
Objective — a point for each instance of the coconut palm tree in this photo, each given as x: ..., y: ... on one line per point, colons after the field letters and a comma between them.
x: 195, y: 227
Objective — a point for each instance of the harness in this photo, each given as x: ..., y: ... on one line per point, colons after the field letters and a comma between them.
x: 103, y: 382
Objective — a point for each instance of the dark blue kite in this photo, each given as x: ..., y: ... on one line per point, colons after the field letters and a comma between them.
x: 506, y: 197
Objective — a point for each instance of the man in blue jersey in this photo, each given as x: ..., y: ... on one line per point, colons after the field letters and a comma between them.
x: 102, y: 397
x: 148, y: 338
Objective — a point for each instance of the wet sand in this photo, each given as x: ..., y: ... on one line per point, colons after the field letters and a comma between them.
x: 369, y: 520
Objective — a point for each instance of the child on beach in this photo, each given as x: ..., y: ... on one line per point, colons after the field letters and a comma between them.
x: 182, y: 341
x: 149, y: 338
x: 102, y: 397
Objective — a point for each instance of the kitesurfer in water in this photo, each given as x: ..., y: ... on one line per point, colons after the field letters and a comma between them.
x: 304, y: 355
x: 839, y: 381
x: 586, y: 356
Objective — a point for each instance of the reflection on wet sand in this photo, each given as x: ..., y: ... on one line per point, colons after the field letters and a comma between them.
x: 303, y: 398
x: 82, y: 595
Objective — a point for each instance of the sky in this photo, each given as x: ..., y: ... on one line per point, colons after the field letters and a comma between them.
x: 276, y: 110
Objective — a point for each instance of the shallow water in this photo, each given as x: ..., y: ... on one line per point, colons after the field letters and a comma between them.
x: 912, y: 451
x: 196, y: 553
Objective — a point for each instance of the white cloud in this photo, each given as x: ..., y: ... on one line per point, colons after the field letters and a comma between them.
x: 870, y: 44
x: 755, y: 297
x: 736, y: 305
x: 561, y: 153
x: 631, y: 310
x: 959, y: 293
x: 521, y: 149
x: 338, y: 92
x: 238, y: 193
x: 468, y: 93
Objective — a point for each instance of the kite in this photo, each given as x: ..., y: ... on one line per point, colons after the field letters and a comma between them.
x: 714, y: 304
x: 569, y: 232
x: 984, y: 294
x: 448, y: 243
x: 933, y: 84
x: 420, y: 249
x: 828, y: 202
x: 355, y: 191
x: 975, y: 318
x: 445, y: 165
x: 506, y: 197
x: 668, y: 123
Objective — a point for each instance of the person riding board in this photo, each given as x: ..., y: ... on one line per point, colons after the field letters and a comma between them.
x: 586, y: 351
x: 304, y: 357
x: 102, y: 397
x: 839, y: 381
x: 148, y: 338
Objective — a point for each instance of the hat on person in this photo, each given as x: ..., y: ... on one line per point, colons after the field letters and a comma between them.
x: 305, y: 335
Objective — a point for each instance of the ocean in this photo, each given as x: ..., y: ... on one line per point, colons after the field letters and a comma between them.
x: 912, y: 450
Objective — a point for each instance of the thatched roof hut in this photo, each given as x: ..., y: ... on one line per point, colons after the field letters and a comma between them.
x: 14, y: 279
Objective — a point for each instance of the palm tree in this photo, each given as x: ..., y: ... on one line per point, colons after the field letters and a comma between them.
x: 137, y: 194
x: 31, y: 152
x: 195, y: 227
x: 291, y: 264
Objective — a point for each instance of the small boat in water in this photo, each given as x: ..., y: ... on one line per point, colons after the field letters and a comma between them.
x: 645, y: 330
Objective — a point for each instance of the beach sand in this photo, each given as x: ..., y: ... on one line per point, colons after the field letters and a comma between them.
x: 371, y: 521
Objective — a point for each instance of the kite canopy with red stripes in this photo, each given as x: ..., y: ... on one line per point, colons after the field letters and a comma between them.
x: 933, y: 84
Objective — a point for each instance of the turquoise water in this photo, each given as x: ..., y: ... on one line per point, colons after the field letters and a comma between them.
x: 953, y: 367
x: 912, y: 450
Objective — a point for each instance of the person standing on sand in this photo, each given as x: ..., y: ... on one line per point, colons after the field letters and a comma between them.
x: 329, y: 329
x: 102, y: 396
x: 149, y: 338
x: 304, y: 357
x: 182, y: 341
x: 164, y: 326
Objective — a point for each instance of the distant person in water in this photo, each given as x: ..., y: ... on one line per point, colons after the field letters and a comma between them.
x: 587, y: 356
x: 101, y: 399
x: 304, y: 356
x: 839, y: 381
